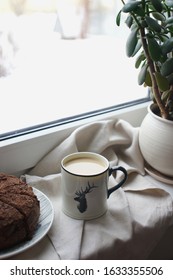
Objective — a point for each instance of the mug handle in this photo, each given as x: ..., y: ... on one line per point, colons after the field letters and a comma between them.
x: 111, y: 170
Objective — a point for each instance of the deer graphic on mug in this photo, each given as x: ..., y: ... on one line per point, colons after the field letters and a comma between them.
x: 81, y: 197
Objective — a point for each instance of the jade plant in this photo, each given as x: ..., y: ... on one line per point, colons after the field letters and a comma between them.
x: 151, y: 42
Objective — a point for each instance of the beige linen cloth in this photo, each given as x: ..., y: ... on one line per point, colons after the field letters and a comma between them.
x: 138, y: 215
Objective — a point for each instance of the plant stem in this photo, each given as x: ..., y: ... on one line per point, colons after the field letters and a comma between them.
x: 151, y: 66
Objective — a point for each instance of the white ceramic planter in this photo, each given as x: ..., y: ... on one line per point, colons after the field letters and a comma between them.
x: 156, y: 142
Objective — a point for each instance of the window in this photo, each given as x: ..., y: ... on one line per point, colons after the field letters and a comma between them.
x: 60, y: 59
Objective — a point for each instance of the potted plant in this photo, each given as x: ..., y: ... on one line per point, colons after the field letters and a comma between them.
x: 151, y: 42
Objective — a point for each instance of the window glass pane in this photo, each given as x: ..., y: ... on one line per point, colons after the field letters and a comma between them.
x: 60, y: 58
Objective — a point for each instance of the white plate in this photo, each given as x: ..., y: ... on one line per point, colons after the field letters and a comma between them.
x: 158, y: 176
x: 44, y: 224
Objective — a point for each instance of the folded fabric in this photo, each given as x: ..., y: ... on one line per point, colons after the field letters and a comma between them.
x: 117, y: 140
x: 138, y: 214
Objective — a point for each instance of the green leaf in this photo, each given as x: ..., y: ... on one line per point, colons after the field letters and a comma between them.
x: 162, y: 82
x: 167, y: 46
x: 144, y: 23
x: 169, y: 21
x: 140, y: 11
x: 131, y: 6
x: 167, y: 67
x: 137, y: 48
x: 118, y: 18
x: 139, y: 60
x: 170, y: 79
x: 129, y: 21
x: 154, y: 49
x: 142, y: 75
x: 167, y: 94
x: 134, y: 26
x: 170, y: 28
x: 157, y: 5
x: 158, y: 16
x: 153, y: 24
x: 148, y: 80
x: 131, y: 43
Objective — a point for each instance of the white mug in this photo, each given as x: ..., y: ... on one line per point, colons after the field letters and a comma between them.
x: 85, y: 184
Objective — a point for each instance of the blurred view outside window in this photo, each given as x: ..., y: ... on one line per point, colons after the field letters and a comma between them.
x: 60, y: 58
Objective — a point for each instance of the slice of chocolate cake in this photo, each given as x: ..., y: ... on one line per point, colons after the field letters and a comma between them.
x: 19, y: 211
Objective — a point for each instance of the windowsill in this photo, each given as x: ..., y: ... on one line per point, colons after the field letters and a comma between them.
x: 22, y: 153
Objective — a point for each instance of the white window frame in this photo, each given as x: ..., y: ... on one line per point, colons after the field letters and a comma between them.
x: 19, y: 154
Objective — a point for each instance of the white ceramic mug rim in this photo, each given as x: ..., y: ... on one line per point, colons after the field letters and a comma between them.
x: 86, y: 154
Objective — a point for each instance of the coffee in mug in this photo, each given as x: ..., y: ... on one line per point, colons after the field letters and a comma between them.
x: 85, y: 190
